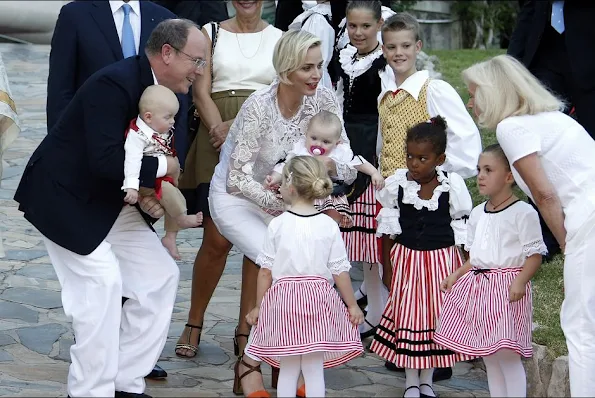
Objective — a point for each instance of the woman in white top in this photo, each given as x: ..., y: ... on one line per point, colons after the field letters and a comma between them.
x: 264, y: 131
x: 552, y: 159
x: 318, y: 21
x: 240, y: 63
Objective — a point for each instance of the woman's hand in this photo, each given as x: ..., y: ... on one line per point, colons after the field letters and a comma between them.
x: 219, y: 133
x: 356, y: 316
x: 517, y: 290
x: 252, y: 317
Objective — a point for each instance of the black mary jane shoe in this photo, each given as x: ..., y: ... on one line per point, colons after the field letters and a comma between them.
x: 421, y: 395
x: 370, y: 332
x: 409, y: 388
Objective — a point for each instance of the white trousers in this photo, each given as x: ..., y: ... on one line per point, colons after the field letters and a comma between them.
x: 116, y: 346
x: 578, y: 310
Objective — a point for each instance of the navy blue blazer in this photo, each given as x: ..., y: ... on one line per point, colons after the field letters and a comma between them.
x: 85, y: 40
x: 71, y: 187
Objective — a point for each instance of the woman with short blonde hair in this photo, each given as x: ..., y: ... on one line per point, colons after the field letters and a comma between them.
x: 552, y: 162
x: 291, y: 53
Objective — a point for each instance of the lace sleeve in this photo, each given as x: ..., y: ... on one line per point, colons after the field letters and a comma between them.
x: 535, y: 247
x: 338, y: 261
x: 247, y: 133
x: 328, y: 101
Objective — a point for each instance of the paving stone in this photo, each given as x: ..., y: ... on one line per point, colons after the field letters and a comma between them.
x: 5, y: 356
x: 343, y: 378
x: 10, y: 310
x: 6, y: 339
x: 41, y: 338
x: 40, y: 298
x: 39, y: 271
x: 24, y: 255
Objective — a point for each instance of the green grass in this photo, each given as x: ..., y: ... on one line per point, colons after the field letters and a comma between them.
x: 547, y: 283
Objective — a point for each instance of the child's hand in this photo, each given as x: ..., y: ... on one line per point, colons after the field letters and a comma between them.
x: 356, y: 316
x: 516, y: 290
x: 131, y: 196
x: 199, y: 218
x: 450, y: 280
x: 252, y: 317
x: 377, y: 181
x: 273, y: 181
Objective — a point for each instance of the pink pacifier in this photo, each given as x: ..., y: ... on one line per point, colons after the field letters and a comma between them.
x: 316, y: 150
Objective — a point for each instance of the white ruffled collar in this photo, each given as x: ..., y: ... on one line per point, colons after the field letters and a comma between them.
x: 354, y: 67
x: 323, y: 8
x: 411, y: 189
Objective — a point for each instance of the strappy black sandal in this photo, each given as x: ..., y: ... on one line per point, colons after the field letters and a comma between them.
x: 188, y: 345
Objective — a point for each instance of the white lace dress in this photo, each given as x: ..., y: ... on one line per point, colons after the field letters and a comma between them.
x: 240, y: 205
x: 478, y: 319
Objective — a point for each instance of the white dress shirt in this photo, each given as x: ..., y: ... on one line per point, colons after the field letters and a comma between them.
x: 118, y: 14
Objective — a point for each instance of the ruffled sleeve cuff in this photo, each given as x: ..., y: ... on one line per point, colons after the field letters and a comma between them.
x: 339, y: 265
x: 535, y: 247
x: 265, y: 261
x: 459, y: 227
x: 388, y: 222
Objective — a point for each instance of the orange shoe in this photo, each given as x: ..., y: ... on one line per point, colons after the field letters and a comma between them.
x: 301, y: 392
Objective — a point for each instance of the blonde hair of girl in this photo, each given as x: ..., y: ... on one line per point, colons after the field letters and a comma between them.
x: 504, y: 88
x: 308, y: 176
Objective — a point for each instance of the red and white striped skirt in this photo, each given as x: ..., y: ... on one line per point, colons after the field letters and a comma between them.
x: 406, y: 331
x: 360, y: 240
x: 478, y: 319
x: 300, y: 315
x: 338, y: 203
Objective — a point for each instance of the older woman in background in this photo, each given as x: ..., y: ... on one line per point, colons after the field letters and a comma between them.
x: 552, y: 159
x: 240, y: 63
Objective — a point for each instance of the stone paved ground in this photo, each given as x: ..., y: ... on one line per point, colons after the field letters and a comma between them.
x: 35, y: 335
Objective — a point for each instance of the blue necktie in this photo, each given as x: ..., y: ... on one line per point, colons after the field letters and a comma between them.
x: 128, y: 46
x: 558, y: 16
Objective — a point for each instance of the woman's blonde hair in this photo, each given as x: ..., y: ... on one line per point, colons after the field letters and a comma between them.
x: 290, y: 52
x: 504, y: 87
x: 308, y: 176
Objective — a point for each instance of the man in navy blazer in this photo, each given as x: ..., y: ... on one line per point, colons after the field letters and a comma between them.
x: 86, y: 38
x: 101, y: 248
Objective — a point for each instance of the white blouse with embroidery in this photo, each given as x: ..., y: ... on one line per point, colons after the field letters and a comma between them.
x: 504, y: 238
x: 459, y: 200
x: 297, y: 245
x: 260, y: 136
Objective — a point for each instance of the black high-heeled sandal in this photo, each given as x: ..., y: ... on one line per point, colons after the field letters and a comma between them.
x: 236, y: 346
x: 188, y: 345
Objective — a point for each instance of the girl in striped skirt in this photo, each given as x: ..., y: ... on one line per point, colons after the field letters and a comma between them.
x: 301, y: 323
x: 424, y: 211
x: 487, y: 309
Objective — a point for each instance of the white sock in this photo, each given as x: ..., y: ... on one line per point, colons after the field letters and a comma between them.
x: 411, y: 380
x: 513, y: 371
x: 360, y: 291
x: 313, y: 371
x: 289, y: 372
x: 425, y: 382
x: 377, y: 296
x: 495, y: 376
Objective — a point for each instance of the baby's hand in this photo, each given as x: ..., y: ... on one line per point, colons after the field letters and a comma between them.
x: 252, y: 317
x: 131, y: 196
x: 356, y: 316
x: 272, y: 181
x: 516, y: 290
x: 450, y: 280
x: 377, y: 181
